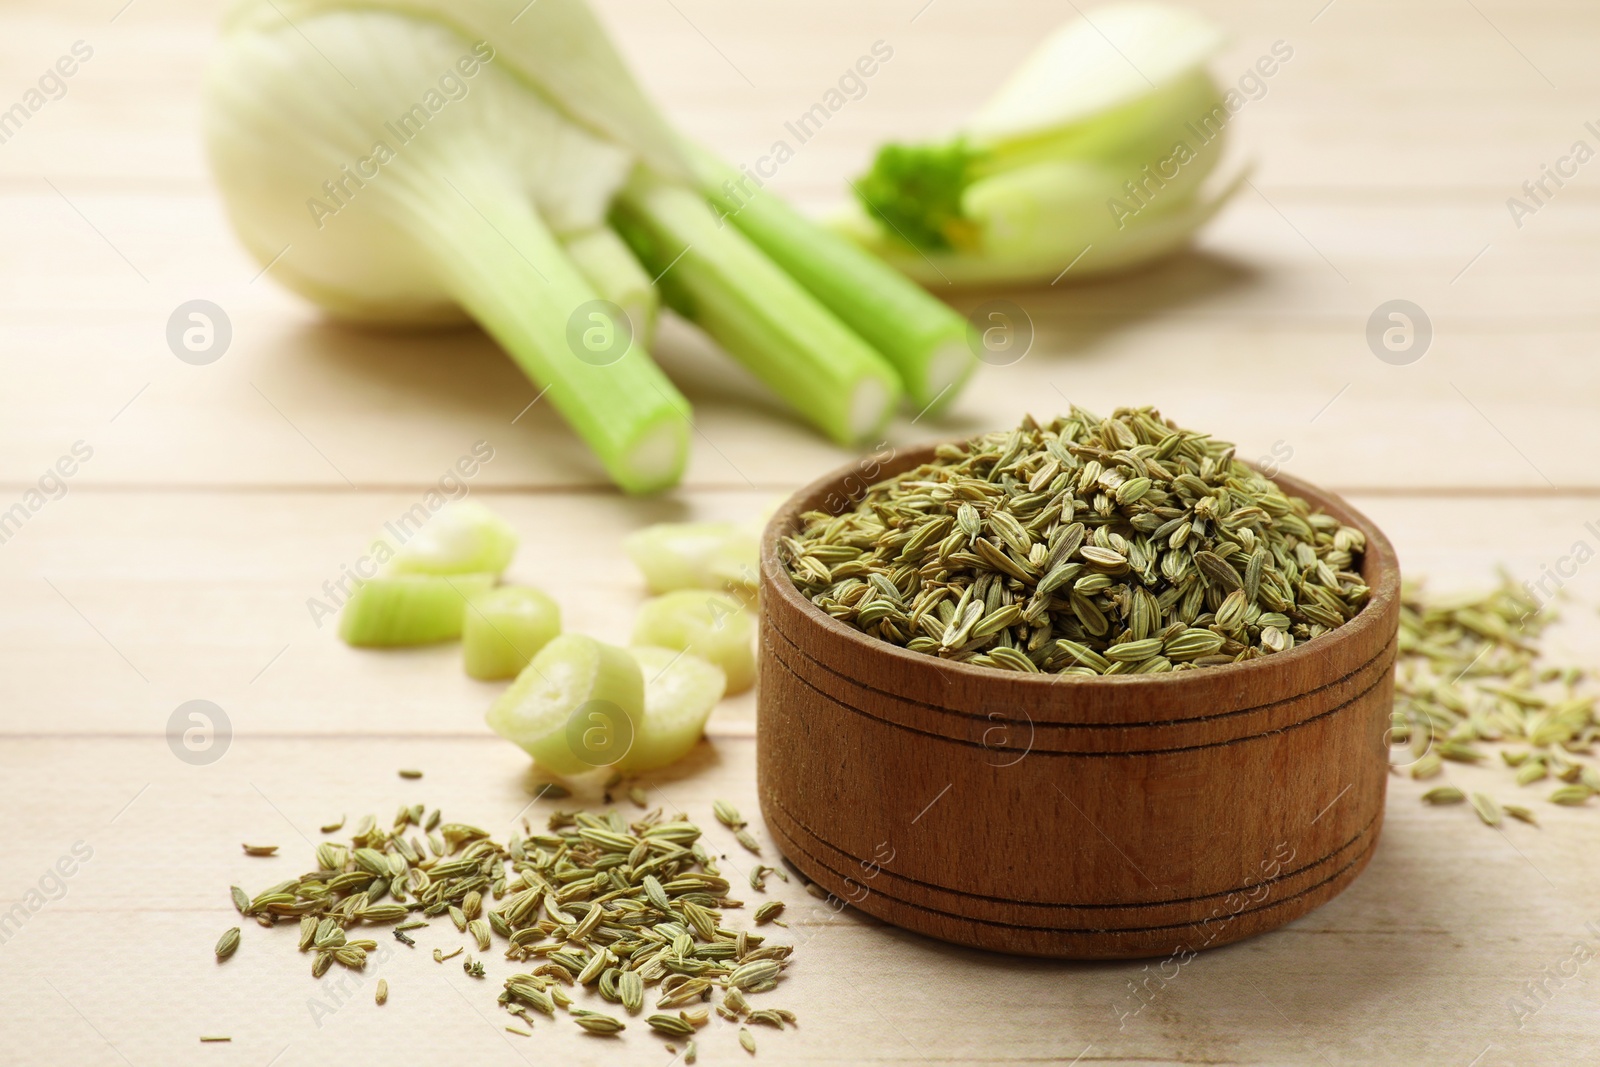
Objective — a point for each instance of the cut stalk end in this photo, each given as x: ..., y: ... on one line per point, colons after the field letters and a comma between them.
x: 657, y: 456
x: 948, y: 368
x: 871, y: 405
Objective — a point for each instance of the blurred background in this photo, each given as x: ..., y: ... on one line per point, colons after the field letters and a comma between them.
x: 1382, y: 157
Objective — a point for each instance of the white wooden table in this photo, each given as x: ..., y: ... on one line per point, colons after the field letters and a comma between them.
x: 178, y: 562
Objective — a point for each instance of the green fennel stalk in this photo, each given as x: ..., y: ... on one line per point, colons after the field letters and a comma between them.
x: 717, y: 278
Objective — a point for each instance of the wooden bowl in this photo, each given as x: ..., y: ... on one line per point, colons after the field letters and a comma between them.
x: 1072, y: 816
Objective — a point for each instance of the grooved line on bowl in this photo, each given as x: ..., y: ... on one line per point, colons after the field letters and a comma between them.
x: 1382, y: 677
x: 1324, y: 858
x: 1361, y: 855
x: 1386, y: 652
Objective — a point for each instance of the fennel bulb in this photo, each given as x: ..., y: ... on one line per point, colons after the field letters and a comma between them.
x: 423, y: 161
x: 441, y: 183
x: 1093, y: 155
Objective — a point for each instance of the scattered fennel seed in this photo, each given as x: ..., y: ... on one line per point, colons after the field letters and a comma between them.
x: 598, y: 1023
x: 599, y: 905
x: 260, y: 850
x: 228, y: 943
x: 410, y: 772
x: 1488, y: 810
x: 1470, y: 673
x: 727, y: 814
x: 670, y: 1025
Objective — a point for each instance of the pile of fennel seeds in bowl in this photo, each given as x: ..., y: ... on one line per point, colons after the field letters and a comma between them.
x: 1121, y: 545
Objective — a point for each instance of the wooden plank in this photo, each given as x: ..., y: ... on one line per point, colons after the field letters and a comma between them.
x: 1295, y: 256
x: 1273, y: 308
x: 1414, y: 963
x: 217, y: 596
x: 206, y: 596
x: 734, y: 74
x: 1252, y: 337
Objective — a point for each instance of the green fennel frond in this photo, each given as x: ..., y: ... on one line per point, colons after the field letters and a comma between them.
x: 916, y: 191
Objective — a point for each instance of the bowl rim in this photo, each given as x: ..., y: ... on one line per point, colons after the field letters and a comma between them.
x: 1379, y: 566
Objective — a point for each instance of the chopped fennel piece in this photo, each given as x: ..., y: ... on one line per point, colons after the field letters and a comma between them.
x: 409, y: 609
x: 695, y: 555
x: 713, y: 626
x: 576, y: 706
x: 463, y: 538
x: 680, y: 690
x: 504, y: 628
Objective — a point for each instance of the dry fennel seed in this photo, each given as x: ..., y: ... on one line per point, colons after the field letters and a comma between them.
x: 626, y: 910
x: 758, y: 876
x: 670, y: 1025
x: 748, y: 840
x: 228, y: 943
x: 1122, y: 545
x: 1470, y: 674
